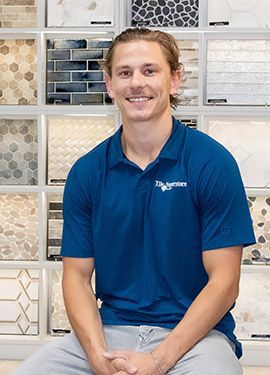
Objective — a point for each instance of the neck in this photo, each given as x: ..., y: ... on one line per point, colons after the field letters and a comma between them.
x: 143, y: 141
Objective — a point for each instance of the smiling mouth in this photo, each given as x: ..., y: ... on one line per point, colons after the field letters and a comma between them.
x: 139, y: 99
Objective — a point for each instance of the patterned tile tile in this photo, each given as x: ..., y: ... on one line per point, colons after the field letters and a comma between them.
x: 180, y: 13
x: 17, y: 13
x: 248, y: 141
x: 70, y: 138
x: 252, y: 311
x: 260, y: 212
x: 18, y: 226
x: 19, y: 301
x: 244, y: 13
x: 18, y: 152
x: 85, y: 13
x: 55, y: 226
x: 73, y: 75
x: 18, y: 83
x: 238, y: 72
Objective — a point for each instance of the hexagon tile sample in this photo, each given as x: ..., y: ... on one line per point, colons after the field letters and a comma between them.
x: 18, y: 83
x: 72, y: 137
x: 19, y: 301
x: 16, y: 14
x: 19, y: 226
x: 18, y: 152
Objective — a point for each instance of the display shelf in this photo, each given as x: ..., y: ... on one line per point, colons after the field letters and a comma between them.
x: 19, y: 346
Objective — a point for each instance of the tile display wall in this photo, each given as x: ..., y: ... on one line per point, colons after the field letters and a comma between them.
x: 83, y: 13
x: 238, y: 72
x: 260, y: 211
x: 252, y: 311
x: 17, y: 13
x: 189, y: 84
x: 18, y: 226
x: 71, y: 137
x: 242, y: 137
x: 18, y: 83
x: 55, y: 226
x: 244, y: 13
x: 180, y: 13
x: 73, y: 75
x: 18, y: 152
x: 19, y: 301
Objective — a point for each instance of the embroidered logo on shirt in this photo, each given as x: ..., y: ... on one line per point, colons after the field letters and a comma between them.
x: 164, y: 186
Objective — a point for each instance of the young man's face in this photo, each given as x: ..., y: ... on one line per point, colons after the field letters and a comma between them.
x: 141, y: 81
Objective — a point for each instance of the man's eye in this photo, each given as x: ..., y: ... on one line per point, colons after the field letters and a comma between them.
x: 149, y: 71
x: 125, y: 73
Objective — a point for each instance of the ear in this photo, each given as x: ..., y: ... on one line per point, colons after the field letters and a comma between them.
x: 175, y: 82
x: 108, y: 82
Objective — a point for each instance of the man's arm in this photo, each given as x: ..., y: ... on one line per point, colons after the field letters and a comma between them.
x: 212, y: 303
x: 82, y: 310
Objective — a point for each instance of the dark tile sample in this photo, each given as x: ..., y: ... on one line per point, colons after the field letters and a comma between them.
x: 87, y: 76
x: 164, y: 13
x: 70, y: 44
x: 88, y: 98
x: 59, y: 55
x: 55, y: 224
x: 57, y: 76
x: 93, y: 65
x: 70, y: 87
x: 97, y: 87
x: 58, y: 99
x: 99, y: 43
x: 89, y: 54
x: 70, y: 65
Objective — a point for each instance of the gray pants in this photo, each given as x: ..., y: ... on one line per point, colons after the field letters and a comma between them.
x: 213, y: 355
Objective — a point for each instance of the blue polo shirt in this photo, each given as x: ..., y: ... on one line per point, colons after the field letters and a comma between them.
x: 147, y: 229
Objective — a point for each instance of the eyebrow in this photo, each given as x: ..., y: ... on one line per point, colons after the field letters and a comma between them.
x: 144, y: 66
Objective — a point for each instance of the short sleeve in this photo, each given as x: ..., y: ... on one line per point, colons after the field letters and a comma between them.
x: 77, y: 239
x: 224, y: 212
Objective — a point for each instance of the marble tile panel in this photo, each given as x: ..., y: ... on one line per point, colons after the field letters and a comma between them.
x: 248, y: 141
x: 18, y: 226
x: 18, y: 14
x: 244, y: 13
x: 71, y: 137
x: 19, y: 301
x: 238, y: 72
x: 179, y: 13
x: 72, y: 64
x: 252, y: 310
x: 55, y: 226
x: 85, y: 13
x: 260, y: 212
x: 18, y: 152
x: 18, y: 84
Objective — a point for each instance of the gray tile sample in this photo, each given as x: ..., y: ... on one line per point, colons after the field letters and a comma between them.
x: 55, y: 226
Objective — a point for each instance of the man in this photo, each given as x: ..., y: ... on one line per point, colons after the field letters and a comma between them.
x: 159, y: 211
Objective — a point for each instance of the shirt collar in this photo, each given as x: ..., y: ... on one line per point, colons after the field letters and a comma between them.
x: 170, y: 150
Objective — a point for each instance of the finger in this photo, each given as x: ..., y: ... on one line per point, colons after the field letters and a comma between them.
x: 115, y: 354
x: 124, y: 365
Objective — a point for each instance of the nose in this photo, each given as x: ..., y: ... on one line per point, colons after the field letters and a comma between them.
x: 137, y: 80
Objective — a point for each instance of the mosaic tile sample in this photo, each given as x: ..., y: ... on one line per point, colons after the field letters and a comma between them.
x: 244, y: 13
x: 188, y: 121
x: 19, y: 302
x: 252, y: 311
x: 17, y: 13
x: 248, y: 141
x: 180, y: 13
x: 18, y: 83
x: 18, y: 226
x: 18, y: 152
x: 189, y: 84
x: 260, y: 211
x: 73, y: 75
x: 70, y: 138
x: 83, y: 13
x: 238, y: 72
x: 55, y: 226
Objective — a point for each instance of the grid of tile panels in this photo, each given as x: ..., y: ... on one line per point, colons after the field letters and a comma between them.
x: 238, y: 72
x: 18, y: 83
x: 244, y: 13
x: 260, y: 212
x: 18, y: 226
x: 55, y: 226
x: 17, y: 13
x: 71, y: 137
x: 252, y: 310
x: 83, y: 13
x: 189, y: 57
x: 19, y: 301
x: 180, y: 13
x: 248, y: 141
x: 73, y: 75
x: 18, y: 152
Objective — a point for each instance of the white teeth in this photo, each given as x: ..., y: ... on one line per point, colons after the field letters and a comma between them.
x: 142, y: 99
